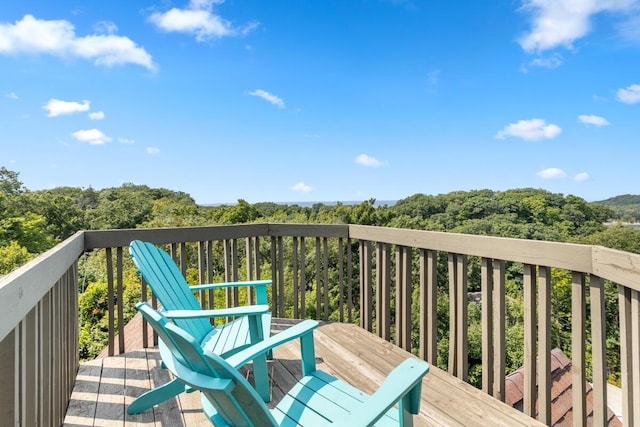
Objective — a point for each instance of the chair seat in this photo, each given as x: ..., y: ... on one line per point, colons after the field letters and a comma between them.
x: 233, y: 336
x: 320, y: 393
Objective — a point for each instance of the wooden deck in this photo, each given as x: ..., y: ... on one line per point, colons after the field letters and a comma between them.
x: 104, y: 387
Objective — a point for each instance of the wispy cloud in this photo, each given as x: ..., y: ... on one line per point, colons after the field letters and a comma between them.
x: 153, y: 150
x: 126, y: 141
x: 301, y: 187
x: 552, y: 173
x: 433, y: 79
x: 57, y: 107
x: 98, y: 115
x: 593, y: 120
x: 200, y: 20
x: 91, y: 136
x: 531, y: 130
x: 549, y: 62
x: 369, y: 161
x: 275, y: 100
x: 582, y: 176
x: 561, y: 22
x: 12, y: 95
x: 105, y: 27
x: 629, y: 95
x: 58, y: 38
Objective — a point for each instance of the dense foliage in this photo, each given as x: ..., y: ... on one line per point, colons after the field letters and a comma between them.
x: 33, y: 221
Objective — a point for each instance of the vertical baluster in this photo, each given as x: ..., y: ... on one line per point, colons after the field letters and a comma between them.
x: 248, y: 243
x: 235, y: 272
x: 318, y: 280
x: 635, y: 355
x: 530, y: 323
x: 341, y: 279
x: 462, y: 322
x: 428, y: 306
x: 499, y: 329
x: 405, y: 300
x: 210, y: 274
x: 110, y: 301
x: 8, y: 368
x: 578, y: 337
x: 45, y: 361
x: 120, y: 298
x: 365, y: 285
x: 349, y: 282
x: 325, y: 270
x: 453, y: 309
x: 303, y: 279
x: 486, y: 284
x: 544, y: 345
x: 227, y: 273
x: 599, y: 350
x: 202, y: 275
x: 274, y: 279
x: 281, y: 277
x: 145, y: 327
x: 383, y: 291
x: 294, y: 253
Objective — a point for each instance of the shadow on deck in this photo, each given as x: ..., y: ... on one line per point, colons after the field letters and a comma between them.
x: 104, y: 387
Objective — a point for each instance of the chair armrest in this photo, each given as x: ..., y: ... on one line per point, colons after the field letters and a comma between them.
x: 405, y: 379
x: 223, y: 312
x: 255, y: 283
x: 250, y: 353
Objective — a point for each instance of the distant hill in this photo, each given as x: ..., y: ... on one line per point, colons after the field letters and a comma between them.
x: 622, y: 200
x: 626, y: 207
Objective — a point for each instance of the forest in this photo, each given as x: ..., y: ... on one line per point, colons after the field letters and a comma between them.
x: 32, y: 222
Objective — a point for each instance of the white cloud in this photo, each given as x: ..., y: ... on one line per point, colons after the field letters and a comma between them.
x: 92, y: 136
x: 629, y: 95
x: 56, y: 107
x: 561, y: 22
x: 12, y: 95
x: 199, y: 19
x: 552, y: 173
x: 593, y: 120
x: 278, y: 102
x: 153, y: 150
x: 126, y: 141
x: 531, y: 130
x: 301, y: 187
x: 582, y: 176
x: 58, y: 38
x: 98, y: 115
x: 369, y: 161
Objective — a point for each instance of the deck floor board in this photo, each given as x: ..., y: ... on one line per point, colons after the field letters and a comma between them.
x: 105, y: 386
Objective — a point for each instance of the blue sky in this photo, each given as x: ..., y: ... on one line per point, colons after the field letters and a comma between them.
x: 322, y: 100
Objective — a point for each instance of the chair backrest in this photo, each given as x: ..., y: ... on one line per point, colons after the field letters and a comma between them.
x: 233, y: 401
x: 165, y: 279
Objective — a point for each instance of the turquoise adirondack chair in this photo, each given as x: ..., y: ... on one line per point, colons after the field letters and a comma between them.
x: 318, y: 399
x: 251, y: 324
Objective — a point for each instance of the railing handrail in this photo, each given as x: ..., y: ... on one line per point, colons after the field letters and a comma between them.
x: 21, y: 289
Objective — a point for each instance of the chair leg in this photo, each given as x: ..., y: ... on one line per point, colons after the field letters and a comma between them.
x: 156, y: 396
x: 261, y: 377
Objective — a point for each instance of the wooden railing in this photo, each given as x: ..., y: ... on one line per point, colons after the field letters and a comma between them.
x: 342, y: 273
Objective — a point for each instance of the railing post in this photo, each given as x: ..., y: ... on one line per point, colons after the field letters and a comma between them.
x: 599, y: 350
